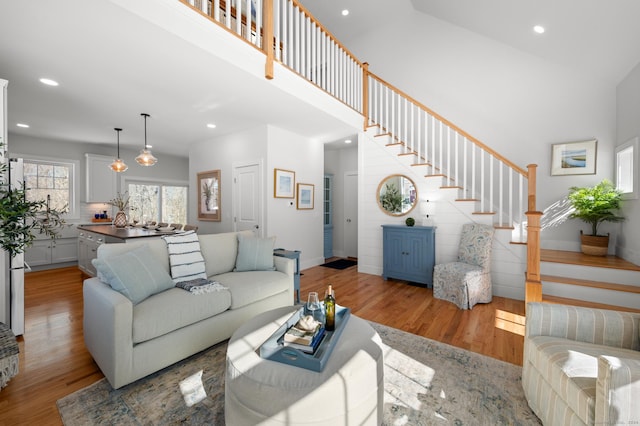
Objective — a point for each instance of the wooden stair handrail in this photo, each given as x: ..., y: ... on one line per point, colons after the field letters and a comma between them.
x: 476, y: 141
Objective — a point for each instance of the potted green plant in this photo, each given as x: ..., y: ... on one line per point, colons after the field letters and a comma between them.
x: 20, y: 218
x: 595, y: 205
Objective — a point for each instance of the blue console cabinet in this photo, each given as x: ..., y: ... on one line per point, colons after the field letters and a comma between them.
x: 409, y: 253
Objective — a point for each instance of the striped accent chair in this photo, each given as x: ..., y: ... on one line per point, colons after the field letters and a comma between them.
x: 581, y: 366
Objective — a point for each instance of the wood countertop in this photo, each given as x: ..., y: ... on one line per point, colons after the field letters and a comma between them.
x: 122, y: 233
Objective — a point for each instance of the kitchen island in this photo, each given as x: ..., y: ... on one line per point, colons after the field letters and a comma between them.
x: 90, y: 237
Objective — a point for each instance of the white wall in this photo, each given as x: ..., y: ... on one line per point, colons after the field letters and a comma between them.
x: 628, y: 126
x: 221, y: 153
x: 516, y: 103
x: 337, y: 162
x: 296, y: 229
x: 276, y: 148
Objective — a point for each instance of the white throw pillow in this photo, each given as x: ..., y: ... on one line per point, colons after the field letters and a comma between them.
x: 185, y: 259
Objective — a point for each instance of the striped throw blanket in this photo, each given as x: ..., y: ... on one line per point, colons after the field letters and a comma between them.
x: 185, y: 258
x: 200, y: 286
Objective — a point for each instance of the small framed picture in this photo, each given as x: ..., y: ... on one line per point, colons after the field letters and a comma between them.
x: 209, y: 196
x: 305, y: 196
x: 574, y: 158
x: 283, y: 183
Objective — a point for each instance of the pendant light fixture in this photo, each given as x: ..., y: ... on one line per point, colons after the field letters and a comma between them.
x: 146, y: 158
x: 118, y: 165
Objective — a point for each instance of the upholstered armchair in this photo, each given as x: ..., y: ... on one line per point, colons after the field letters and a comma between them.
x: 468, y: 280
x: 581, y: 366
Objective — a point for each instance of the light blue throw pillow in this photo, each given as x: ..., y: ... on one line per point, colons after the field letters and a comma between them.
x: 254, y: 254
x: 137, y: 274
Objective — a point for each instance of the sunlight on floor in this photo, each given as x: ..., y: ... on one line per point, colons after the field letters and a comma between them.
x: 406, y: 380
x: 192, y: 389
x: 510, y: 322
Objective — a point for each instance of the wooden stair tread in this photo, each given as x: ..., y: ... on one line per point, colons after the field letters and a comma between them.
x: 577, y: 258
x: 594, y: 284
x: 467, y: 199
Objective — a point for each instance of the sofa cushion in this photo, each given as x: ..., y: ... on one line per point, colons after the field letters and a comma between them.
x: 254, y: 254
x: 251, y: 286
x: 137, y: 273
x: 174, y: 309
x: 220, y: 251
x: 185, y: 258
x: 571, y: 368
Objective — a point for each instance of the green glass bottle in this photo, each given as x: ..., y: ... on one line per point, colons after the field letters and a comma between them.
x: 330, y: 308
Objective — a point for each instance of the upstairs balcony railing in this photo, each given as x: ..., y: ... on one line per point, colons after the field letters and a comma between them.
x: 302, y: 44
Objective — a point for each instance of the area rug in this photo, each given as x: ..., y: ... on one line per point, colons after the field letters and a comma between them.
x: 340, y: 264
x: 426, y: 383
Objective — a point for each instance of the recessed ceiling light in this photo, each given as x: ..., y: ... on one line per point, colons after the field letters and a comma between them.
x: 48, y: 82
x: 538, y: 29
x: 211, y: 126
x: 26, y: 126
x: 345, y: 12
x: 347, y: 141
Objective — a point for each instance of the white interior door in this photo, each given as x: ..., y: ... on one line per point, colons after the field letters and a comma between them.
x: 351, y: 214
x: 248, y: 197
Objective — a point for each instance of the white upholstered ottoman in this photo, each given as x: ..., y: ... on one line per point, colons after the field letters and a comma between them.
x: 349, y: 391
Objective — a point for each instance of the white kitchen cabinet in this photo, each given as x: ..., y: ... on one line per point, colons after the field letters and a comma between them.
x: 88, y: 243
x: 39, y: 253
x: 101, y: 181
x: 48, y: 251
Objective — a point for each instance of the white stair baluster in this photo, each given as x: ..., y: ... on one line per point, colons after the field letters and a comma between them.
x: 216, y: 10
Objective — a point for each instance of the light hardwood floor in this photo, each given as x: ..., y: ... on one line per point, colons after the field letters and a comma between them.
x: 55, y: 363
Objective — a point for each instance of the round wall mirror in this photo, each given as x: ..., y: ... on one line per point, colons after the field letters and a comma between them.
x: 397, y: 195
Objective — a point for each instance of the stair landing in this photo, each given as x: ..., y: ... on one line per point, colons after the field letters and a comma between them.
x: 562, y: 285
x: 577, y: 258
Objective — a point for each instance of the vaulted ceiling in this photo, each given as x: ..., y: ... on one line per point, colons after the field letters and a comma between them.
x: 112, y: 66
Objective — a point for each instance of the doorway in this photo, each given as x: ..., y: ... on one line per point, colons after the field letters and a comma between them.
x: 248, y: 202
x: 351, y: 214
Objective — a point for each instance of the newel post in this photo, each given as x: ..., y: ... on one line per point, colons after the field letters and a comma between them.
x: 267, y: 37
x: 533, y: 286
x: 365, y: 93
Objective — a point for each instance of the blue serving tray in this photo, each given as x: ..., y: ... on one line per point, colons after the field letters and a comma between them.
x: 273, y: 349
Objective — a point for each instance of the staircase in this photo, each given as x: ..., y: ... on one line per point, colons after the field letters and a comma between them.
x: 383, y: 156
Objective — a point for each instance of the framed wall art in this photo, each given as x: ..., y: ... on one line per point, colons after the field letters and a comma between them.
x: 574, y: 158
x: 209, y: 196
x: 284, y: 183
x: 305, y: 196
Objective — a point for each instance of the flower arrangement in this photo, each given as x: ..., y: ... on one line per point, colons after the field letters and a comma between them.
x: 121, y: 202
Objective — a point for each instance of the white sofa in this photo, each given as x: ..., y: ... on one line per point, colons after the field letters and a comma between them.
x: 129, y: 341
x: 582, y: 366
